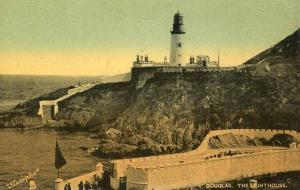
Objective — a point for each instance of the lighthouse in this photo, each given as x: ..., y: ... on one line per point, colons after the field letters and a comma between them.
x: 177, y: 33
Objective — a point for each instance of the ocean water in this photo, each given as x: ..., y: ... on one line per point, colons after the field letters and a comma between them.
x: 22, y: 152
x: 15, y: 89
x: 26, y: 151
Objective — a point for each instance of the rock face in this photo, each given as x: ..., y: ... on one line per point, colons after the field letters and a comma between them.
x: 282, y: 140
x: 174, y: 111
x: 231, y: 140
x: 95, y: 107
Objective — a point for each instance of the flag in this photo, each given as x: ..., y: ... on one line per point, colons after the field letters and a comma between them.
x: 59, y: 158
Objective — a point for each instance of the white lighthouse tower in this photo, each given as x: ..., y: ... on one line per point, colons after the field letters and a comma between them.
x: 177, y: 33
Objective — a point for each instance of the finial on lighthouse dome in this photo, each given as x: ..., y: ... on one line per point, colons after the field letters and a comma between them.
x: 178, y: 24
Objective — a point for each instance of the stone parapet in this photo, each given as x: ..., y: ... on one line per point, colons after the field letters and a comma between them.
x: 215, y: 170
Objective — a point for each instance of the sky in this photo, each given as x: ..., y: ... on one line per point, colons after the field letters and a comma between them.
x: 103, y: 37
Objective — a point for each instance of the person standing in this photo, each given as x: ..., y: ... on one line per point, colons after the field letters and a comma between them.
x: 95, y: 185
x: 80, y: 186
x: 66, y: 187
x: 86, y: 185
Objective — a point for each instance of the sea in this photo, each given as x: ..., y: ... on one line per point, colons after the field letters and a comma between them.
x: 24, y: 152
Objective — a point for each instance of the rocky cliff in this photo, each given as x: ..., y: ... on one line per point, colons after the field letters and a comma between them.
x: 174, y: 111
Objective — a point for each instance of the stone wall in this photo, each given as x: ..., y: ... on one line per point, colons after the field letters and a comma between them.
x: 214, y: 170
x: 81, y: 88
x: 45, y: 105
x: 60, y: 183
x: 140, y: 75
x: 121, y: 167
x: 138, y: 178
x: 261, y: 133
x: 192, y: 168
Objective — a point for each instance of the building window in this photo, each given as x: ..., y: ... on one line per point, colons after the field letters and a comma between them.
x: 178, y: 44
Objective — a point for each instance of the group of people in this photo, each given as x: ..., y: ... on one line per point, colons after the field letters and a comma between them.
x: 93, y: 185
x: 88, y: 185
x: 68, y: 186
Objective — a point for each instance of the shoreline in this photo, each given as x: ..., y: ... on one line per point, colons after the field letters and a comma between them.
x: 69, y: 129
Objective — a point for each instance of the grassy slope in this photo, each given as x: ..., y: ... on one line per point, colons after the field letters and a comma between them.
x: 282, y: 58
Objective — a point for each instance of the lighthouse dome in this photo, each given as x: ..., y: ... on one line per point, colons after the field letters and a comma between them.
x: 178, y: 27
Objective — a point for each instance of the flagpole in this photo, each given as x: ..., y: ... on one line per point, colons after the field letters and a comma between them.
x: 58, y: 168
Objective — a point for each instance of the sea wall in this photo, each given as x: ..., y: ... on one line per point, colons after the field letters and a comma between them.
x: 121, y: 167
x: 261, y: 133
x: 213, y: 170
x: 90, y: 177
x: 194, y: 168
x: 138, y: 178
